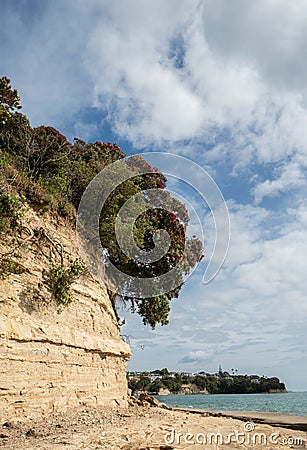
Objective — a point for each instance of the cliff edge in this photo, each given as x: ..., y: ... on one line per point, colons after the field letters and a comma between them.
x: 53, y: 356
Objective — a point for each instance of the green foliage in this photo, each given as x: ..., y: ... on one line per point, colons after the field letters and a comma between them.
x: 154, y: 310
x: 171, y: 383
x: 8, y: 266
x: 11, y: 210
x: 3, y: 160
x: 53, y: 174
x: 9, y: 99
x: 87, y: 160
x: 60, y: 278
x: 154, y: 386
x: 160, y: 372
x: 213, y: 383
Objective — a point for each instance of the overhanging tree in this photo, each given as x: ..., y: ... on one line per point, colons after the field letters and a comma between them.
x: 182, y: 255
x: 9, y: 99
x: 47, y: 168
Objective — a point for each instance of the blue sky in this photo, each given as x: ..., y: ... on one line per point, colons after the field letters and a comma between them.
x: 224, y: 84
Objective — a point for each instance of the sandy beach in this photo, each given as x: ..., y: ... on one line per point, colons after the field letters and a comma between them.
x: 148, y: 427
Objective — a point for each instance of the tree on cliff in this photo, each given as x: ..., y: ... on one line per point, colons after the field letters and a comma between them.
x: 9, y: 99
x: 53, y: 173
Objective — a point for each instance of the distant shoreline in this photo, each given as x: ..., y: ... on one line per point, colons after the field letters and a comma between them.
x: 275, y: 391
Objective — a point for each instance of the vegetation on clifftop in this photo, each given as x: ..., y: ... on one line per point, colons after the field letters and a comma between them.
x: 41, y: 167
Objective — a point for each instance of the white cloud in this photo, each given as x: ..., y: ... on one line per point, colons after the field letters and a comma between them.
x: 197, y: 357
x: 269, y: 34
x: 231, y: 77
x: 148, y: 100
x: 123, y: 58
x: 291, y: 177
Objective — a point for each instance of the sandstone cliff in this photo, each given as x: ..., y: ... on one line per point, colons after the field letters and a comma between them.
x: 192, y: 388
x: 54, y: 357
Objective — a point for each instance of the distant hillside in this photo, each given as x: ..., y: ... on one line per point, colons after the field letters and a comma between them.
x: 163, y: 381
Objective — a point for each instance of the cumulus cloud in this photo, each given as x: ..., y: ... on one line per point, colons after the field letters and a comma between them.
x: 291, y: 177
x: 268, y: 34
x: 147, y: 98
x: 230, y: 80
x: 196, y: 357
x: 221, y: 81
x: 163, y: 73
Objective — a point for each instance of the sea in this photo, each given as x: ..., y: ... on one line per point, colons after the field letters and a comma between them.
x: 294, y: 403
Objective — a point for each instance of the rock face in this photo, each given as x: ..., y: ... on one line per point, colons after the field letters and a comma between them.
x: 192, y: 389
x: 55, y: 357
x: 164, y: 391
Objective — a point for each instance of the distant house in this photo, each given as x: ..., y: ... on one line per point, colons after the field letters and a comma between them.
x: 254, y: 379
x: 155, y: 377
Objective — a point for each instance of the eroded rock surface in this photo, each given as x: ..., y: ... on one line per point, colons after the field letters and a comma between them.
x: 54, y: 357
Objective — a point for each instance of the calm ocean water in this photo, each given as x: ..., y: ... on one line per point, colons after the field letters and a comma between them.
x: 291, y: 403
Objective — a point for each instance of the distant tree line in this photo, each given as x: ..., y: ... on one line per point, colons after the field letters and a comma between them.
x: 219, y: 383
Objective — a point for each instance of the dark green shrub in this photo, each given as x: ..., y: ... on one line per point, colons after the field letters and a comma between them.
x: 11, y: 210
x: 9, y: 99
x: 60, y: 278
x: 9, y: 266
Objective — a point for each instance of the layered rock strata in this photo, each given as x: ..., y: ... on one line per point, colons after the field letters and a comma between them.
x: 55, y: 357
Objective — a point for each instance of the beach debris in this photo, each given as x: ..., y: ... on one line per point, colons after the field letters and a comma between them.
x: 146, y: 398
x: 159, y: 447
x: 30, y: 433
x: 133, y: 401
x: 166, y: 426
